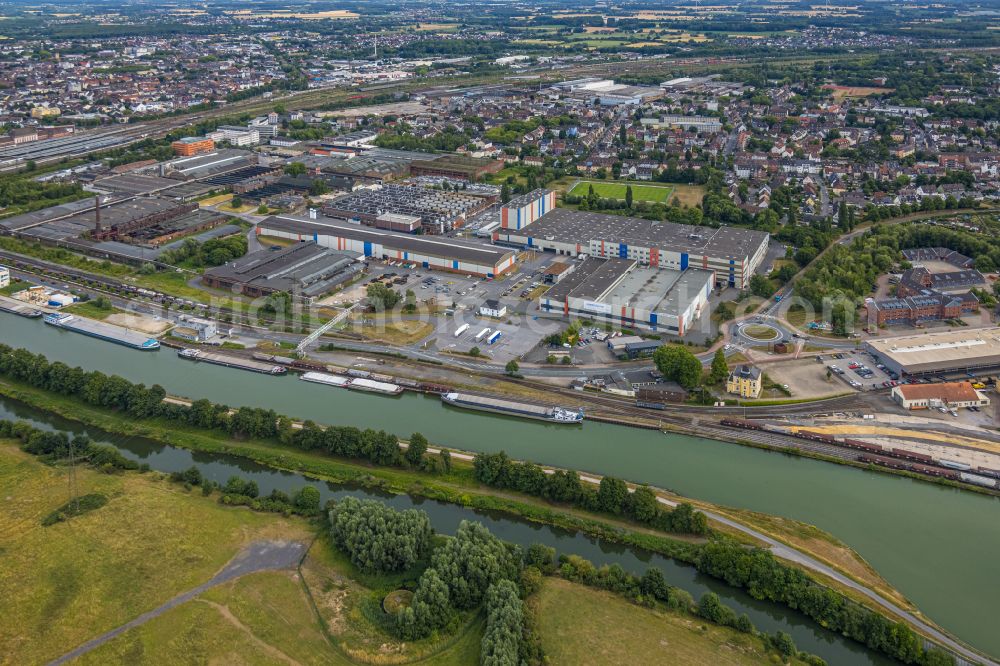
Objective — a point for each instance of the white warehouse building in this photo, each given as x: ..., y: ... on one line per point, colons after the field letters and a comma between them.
x: 622, y: 292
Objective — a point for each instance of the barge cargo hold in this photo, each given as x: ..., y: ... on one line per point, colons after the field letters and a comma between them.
x: 372, y: 386
x: 326, y: 379
x: 231, y: 361
x: 102, y: 331
x: 25, y: 311
x: 512, y: 407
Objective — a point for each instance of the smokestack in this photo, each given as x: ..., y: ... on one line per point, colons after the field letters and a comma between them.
x: 97, y: 213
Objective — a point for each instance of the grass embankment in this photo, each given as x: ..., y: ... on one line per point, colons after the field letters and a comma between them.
x: 582, y: 625
x: 460, y: 487
x: 74, y: 580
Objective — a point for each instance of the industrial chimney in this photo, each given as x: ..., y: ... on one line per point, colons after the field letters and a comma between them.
x: 97, y: 214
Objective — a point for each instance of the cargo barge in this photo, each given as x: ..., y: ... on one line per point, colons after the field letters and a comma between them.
x: 513, y: 408
x: 355, y: 383
x: 102, y: 331
x: 373, y: 386
x: 326, y: 379
x: 21, y: 311
x: 231, y: 361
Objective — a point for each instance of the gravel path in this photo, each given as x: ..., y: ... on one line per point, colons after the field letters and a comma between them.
x: 258, y: 556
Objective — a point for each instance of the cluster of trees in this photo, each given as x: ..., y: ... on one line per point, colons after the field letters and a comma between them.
x: 26, y: 194
x: 612, y: 496
x: 504, y: 625
x: 764, y: 577
x: 927, y: 204
x: 238, y: 491
x: 678, y: 364
x: 52, y: 446
x: 213, y: 252
x: 382, y: 298
x: 378, y: 538
x: 448, y: 140
x: 846, y: 272
x: 460, y: 573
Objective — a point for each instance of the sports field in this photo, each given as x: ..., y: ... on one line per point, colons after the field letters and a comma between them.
x: 653, y: 193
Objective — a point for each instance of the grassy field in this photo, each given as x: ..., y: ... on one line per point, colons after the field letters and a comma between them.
x: 75, y: 580
x: 653, y: 193
x: 263, y: 618
x: 403, y: 332
x: 581, y: 625
x: 89, y: 309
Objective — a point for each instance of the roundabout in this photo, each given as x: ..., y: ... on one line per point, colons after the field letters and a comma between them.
x: 759, y: 332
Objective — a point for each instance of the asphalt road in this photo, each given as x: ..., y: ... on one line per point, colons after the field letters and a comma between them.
x: 258, y: 556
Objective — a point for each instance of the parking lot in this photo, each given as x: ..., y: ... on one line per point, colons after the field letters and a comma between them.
x: 859, y: 370
x: 456, y: 299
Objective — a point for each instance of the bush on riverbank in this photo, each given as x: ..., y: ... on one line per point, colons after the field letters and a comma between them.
x: 57, y: 446
x: 612, y: 497
x: 764, y: 577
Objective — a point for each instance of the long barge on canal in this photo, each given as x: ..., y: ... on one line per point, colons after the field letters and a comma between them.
x: 102, y: 331
x: 497, y: 405
x: 23, y: 310
x: 355, y: 383
x: 231, y: 361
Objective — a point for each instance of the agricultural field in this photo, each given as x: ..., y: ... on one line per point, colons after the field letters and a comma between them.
x: 616, y: 190
x: 581, y: 625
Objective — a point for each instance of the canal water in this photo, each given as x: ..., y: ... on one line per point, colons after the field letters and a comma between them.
x: 445, y: 518
x: 936, y: 545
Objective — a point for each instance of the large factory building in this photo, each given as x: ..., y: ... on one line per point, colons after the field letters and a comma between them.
x: 436, y: 253
x: 732, y: 253
x: 622, y: 292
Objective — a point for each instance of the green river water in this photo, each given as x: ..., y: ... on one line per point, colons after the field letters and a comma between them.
x: 937, y: 545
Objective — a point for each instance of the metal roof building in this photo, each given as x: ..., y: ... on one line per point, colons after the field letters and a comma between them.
x: 733, y: 253
x: 305, y: 270
x: 437, y: 253
x: 975, y: 351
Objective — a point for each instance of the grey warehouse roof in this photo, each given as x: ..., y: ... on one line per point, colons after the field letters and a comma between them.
x: 431, y: 246
x: 570, y: 226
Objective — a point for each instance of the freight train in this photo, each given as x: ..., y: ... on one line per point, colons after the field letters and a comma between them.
x: 892, y: 458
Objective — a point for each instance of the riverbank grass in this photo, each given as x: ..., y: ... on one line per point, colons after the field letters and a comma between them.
x: 263, y: 618
x: 581, y: 625
x: 74, y: 580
